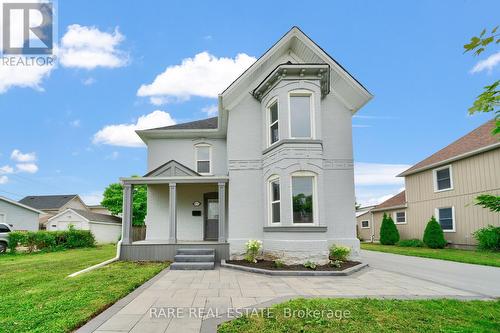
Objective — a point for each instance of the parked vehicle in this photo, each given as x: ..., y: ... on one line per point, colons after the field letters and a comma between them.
x: 4, y: 235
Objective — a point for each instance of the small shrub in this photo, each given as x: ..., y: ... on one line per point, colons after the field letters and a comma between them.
x: 15, y: 238
x: 410, y: 243
x: 310, y: 264
x: 389, y: 234
x: 336, y: 263
x: 433, y: 235
x: 488, y: 238
x: 252, y: 246
x: 79, y: 238
x: 279, y: 263
x: 339, y: 252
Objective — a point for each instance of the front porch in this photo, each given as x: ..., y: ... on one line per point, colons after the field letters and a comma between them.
x: 184, y: 212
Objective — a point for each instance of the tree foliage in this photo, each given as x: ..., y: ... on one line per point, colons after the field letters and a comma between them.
x: 433, y: 235
x: 492, y: 202
x: 389, y: 234
x: 113, y: 201
x: 489, y: 99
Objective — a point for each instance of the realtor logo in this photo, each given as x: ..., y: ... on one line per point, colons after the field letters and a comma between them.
x: 27, y: 28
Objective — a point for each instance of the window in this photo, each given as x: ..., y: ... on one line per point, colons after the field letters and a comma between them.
x: 274, y: 134
x: 4, y: 228
x: 365, y: 224
x: 203, y: 157
x: 446, y: 218
x: 300, y: 115
x: 442, y: 179
x: 400, y: 217
x: 275, y: 200
x: 303, y: 199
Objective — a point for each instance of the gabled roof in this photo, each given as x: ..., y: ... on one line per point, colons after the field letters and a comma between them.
x: 47, y: 201
x: 297, y: 47
x: 209, y: 123
x: 475, y: 142
x: 15, y: 203
x: 172, y: 169
x: 91, y: 216
x: 397, y: 201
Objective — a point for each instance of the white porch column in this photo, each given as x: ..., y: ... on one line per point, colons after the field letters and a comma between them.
x: 173, y: 212
x: 127, y: 211
x: 222, y: 212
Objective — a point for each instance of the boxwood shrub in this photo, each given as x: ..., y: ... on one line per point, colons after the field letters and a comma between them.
x: 433, y: 235
x: 51, y: 240
x: 488, y: 238
x: 410, y: 243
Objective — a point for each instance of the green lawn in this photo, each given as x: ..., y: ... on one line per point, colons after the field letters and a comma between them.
x: 369, y: 315
x: 37, y: 296
x: 471, y: 257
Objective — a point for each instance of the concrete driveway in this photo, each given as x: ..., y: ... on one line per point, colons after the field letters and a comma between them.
x: 477, y: 279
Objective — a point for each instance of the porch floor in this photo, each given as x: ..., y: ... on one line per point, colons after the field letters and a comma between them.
x: 184, y: 242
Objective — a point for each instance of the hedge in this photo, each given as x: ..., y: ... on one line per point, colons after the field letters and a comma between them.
x: 51, y: 240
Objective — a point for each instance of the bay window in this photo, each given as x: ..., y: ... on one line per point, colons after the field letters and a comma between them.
x: 303, y: 198
x: 300, y: 104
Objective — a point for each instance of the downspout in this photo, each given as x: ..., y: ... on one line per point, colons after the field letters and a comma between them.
x: 372, y: 227
x: 102, y: 264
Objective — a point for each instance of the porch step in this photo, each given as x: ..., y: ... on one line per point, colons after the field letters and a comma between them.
x: 194, y: 258
x: 195, y: 251
x: 192, y: 265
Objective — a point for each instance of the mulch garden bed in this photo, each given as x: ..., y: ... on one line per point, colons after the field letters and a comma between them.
x: 269, y: 265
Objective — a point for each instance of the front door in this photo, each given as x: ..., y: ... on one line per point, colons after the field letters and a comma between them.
x: 211, y: 216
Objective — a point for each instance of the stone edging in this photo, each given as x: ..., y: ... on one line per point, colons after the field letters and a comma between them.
x: 345, y: 272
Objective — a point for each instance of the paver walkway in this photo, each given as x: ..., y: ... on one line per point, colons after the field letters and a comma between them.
x: 223, y: 289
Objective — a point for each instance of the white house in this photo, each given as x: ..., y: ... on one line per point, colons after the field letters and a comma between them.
x: 275, y: 165
x: 18, y: 216
x: 105, y: 228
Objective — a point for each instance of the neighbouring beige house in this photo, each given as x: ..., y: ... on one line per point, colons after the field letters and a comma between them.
x: 444, y: 185
x: 52, y: 205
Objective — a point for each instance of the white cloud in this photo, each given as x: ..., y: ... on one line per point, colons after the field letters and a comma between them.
x: 205, y: 75
x: 88, y: 47
x: 113, y: 156
x: 75, y: 123
x: 4, y: 179
x: 211, y: 110
x: 6, y: 169
x: 378, y: 174
x: 27, y: 167
x: 18, y: 156
x: 487, y: 64
x: 88, y: 81
x: 124, y: 134
x: 92, y: 198
x: 23, y: 76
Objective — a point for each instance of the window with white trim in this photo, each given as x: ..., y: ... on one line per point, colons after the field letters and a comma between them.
x: 365, y: 224
x: 446, y: 218
x: 400, y: 217
x: 274, y: 200
x: 303, y: 198
x: 442, y: 179
x: 203, y: 159
x: 300, y: 104
x: 274, y: 134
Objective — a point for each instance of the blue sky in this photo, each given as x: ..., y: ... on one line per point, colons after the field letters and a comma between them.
x: 53, y: 137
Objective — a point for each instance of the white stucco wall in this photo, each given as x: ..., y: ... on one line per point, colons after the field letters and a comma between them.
x: 20, y: 218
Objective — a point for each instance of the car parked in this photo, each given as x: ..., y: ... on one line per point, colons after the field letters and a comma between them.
x: 4, y: 237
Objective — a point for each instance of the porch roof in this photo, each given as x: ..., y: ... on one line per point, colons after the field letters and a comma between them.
x: 175, y: 179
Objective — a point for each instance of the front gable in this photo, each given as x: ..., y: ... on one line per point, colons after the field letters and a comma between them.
x: 172, y: 169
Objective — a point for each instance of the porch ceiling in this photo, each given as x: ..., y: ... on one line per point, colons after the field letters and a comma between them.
x: 177, y: 179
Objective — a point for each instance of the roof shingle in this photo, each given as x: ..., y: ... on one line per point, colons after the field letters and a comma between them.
x: 47, y: 201
x: 96, y: 217
x: 396, y: 201
x: 209, y: 123
x: 479, y: 138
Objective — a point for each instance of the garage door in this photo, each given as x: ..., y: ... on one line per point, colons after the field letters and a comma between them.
x: 63, y: 225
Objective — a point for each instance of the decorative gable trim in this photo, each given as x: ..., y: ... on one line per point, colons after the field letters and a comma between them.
x: 172, y: 169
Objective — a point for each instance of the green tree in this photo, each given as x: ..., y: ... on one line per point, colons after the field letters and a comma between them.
x: 113, y: 201
x: 491, y: 202
x: 433, y: 235
x: 389, y: 234
x: 489, y: 100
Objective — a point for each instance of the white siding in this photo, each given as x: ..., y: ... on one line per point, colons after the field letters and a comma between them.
x: 20, y: 218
